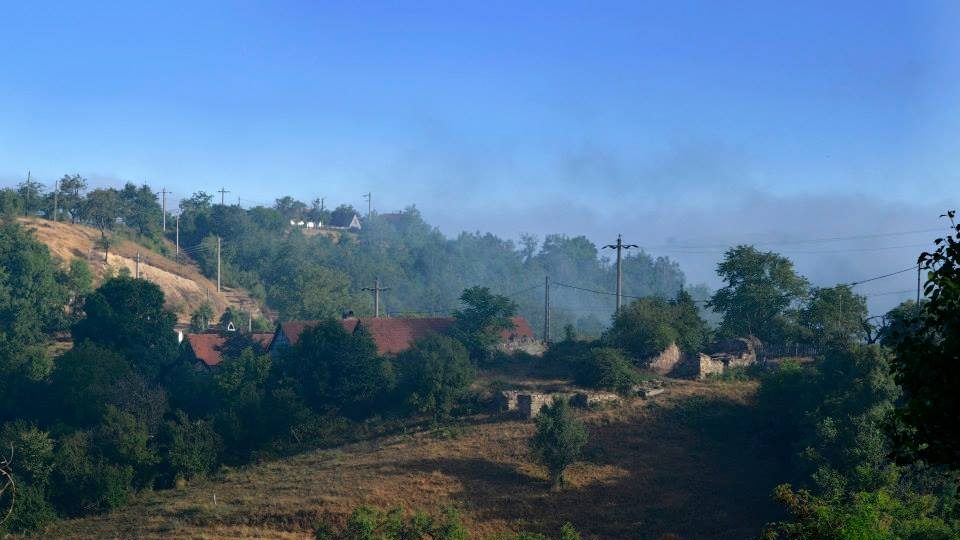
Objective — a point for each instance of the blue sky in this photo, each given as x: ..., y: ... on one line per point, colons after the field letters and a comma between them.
x: 674, y: 123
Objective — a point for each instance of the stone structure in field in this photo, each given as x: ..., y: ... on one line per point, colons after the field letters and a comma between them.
x: 716, y: 358
x: 667, y: 362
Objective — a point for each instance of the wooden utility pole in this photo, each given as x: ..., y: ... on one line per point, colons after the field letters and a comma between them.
x: 56, y: 190
x: 163, y: 206
x: 376, y: 289
x: 369, y: 198
x: 619, y: 246
x: 218, y: 264
x: 546, y: 309
x: 222, y: 192
x: 138, y: 266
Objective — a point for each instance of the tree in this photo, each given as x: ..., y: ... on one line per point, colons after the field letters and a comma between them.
x: 479, y: 324
x: 70, y: 196
x: 647, y: 326
x: 926, y: 363
x: 341, y: 215
x: 83, y: 382
x: 899, y: 322
x: 32, y: 300
x: 333, y: 370
x: 201, y: 317
x: 559, y: 439
x: 434, y: 374
x: 191, y: 448
x: 308, y: 292
x: 833, y: 314
x: 102, y: 208
x: 127, y: 315
x: 31, y: 193
x: 141, y: 210
x: 760, y: 287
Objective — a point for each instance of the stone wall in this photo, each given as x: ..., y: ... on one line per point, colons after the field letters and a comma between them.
x: 708, y: 365
x: 668, y: 361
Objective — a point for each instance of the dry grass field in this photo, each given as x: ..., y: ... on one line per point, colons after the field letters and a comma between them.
x: 682, y: 465
x: 183, y: 285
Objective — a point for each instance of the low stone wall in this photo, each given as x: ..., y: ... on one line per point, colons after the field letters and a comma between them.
x: 508, y: 400
x: 594, y: 399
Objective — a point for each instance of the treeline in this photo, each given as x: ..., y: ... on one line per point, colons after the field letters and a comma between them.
x: 307, y: 276
x: 127, y: 409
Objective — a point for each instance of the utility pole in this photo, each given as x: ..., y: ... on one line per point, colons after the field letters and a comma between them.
x: 619, y: 246
x: 218, y: 264
x: 178, y: 236
x: 56, y: 189
x: 376, y: 289
x: 369, y: 198
x: 163, y: 205
x: 222, y: 192
x: 546, y: 309
x: 138, y: 265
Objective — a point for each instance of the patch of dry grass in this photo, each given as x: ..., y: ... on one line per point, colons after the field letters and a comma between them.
x: 684, y: 465
x: 184, y: 287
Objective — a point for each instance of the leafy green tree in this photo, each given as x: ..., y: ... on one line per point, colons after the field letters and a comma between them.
x: 309, y: 292
x: 341, y: 215
x: 32, y: 301
x: 898, y: 323
x: 434, y: 374
x: 833, y: 314
x: 31, y: 194
x: 83, y: 382
x: 760, y: 288
x: 333, y: 370
x: 290, y: 208
x: 484, y: 316
x: 647, y: 326
x: 926, y: 361
x: 559, y: 439
x: 140, y: 209
x: 127, y: 315
x: 125, y: 441
x: 867, y: 515
x: 70, y: 196
x: 102, y: 207
x: 11, y: 204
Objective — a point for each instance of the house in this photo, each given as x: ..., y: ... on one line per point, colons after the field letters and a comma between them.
x: 345, y: 221
x: 206, y: 347
x: 395, y: 335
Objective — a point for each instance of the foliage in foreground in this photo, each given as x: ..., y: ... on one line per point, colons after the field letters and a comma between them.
x: 368, y: 523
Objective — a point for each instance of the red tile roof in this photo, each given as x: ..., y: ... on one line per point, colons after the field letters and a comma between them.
x: 206, y: 347
x: 395, y: 335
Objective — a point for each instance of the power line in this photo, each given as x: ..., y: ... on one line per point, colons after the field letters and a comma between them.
x: 806, y: 241
x: 855, y: 283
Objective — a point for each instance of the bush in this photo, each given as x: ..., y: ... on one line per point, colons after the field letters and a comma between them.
x: 646, y: 327
x: 367, y: 523
x: 559, y: 439
x: 192, y: 448
x: 434, y: 375
x: 606, y: 369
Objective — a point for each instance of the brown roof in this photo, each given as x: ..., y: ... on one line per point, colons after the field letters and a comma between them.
x: 395, y: 335
x: 206, y: 347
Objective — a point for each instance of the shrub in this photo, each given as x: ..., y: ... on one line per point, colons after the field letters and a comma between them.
x: 192, y: 448
x: 607, y: 369
x: 368, y: 523
x: 559, y: 439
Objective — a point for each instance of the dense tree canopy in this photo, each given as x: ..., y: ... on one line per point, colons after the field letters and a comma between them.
x: 760, y: 288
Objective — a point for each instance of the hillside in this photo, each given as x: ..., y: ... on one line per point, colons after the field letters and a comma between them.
x: 183, y: 285
x: 684, y: 465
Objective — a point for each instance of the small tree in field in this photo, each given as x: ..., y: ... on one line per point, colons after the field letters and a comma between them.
x: 559, y: 439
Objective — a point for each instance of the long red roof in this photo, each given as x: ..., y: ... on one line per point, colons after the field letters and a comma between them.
x: 206, y: 347
x: 395, y: 335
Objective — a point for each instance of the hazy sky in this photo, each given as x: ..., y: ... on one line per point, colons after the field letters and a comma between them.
x: 677, y: 124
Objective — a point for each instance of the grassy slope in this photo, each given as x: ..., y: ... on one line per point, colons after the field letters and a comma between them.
x: 684, y: 465
x: 183, y: 285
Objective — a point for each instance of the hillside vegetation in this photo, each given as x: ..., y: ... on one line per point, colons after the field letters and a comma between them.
x: 688, y: 466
